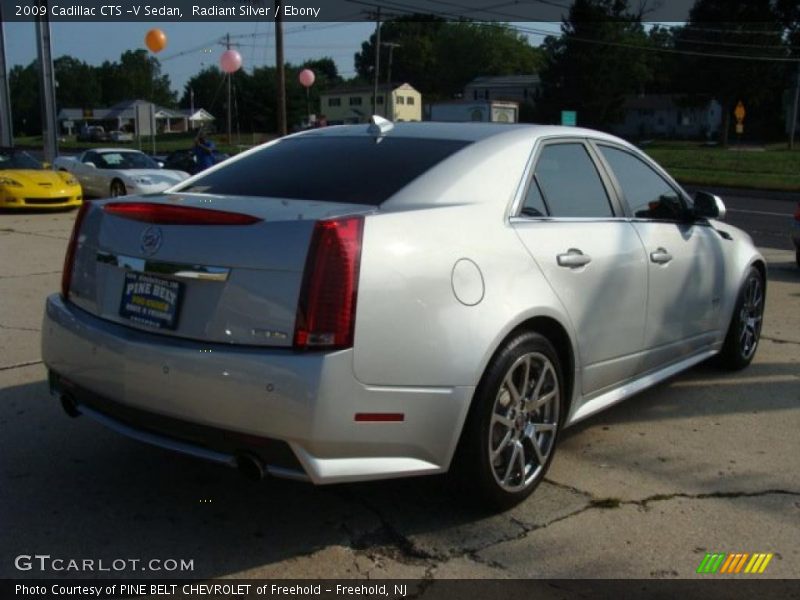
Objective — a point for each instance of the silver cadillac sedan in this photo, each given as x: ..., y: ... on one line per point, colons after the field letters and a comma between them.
x: 375, y: 301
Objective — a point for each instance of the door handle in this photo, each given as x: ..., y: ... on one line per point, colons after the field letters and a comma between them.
x: 573, y: 258
x: 660, y: 256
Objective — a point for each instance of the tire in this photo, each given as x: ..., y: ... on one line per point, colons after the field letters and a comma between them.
x: 509, y: 440
x: 744, y: 331
x: 118, y: 189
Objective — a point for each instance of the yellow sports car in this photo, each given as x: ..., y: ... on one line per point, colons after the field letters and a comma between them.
x: 25, y: 183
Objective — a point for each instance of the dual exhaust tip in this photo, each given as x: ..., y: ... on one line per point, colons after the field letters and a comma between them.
x: 250, y: 466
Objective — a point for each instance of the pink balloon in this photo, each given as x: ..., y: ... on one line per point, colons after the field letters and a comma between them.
x: 306, y: 78
x: 230, y: 61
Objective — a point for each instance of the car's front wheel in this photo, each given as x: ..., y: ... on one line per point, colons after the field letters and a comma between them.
x: 118, y: 189
x: 744, y: 331
x: 510, y: 435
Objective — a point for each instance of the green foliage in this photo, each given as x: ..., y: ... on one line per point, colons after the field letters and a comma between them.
x: 597, y: 61
x: 735, y: 27
x: 439, y: 58
x: 137, y: 75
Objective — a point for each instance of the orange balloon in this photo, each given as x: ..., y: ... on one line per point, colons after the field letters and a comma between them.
x: 155, y: 40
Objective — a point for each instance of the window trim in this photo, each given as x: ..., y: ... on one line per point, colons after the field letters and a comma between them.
x: 618, y: 210
x: 682, y: 195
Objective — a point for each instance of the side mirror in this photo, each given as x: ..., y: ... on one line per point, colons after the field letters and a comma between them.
x: 91, y: 165
x: 709, y: 206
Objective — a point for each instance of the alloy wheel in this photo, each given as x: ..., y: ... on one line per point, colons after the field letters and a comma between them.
x: 524, y: 422
x: 750, y: 317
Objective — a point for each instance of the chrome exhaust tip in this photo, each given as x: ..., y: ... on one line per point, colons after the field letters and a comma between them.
x: 70, y: 406
x: 251, y: 467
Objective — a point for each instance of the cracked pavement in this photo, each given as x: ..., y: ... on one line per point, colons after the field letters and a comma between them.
x: 707, y: 462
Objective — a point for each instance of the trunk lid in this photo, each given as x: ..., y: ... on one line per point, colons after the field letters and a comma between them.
x: 235, y: 284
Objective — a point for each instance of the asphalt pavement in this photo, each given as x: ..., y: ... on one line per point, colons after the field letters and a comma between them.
x: 707, y: 462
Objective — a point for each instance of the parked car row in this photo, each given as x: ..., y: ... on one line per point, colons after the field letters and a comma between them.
x: 26, y: 183
x: 118, y: 172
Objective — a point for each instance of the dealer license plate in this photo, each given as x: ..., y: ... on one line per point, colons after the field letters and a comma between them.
x: 151, y: 301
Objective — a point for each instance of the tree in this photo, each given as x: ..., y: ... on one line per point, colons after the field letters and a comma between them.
x: 77, y: 83
x: 24, y: 92
x: 209, y: 92
x: 735, y: 27
x: 439, y: 58
x: 597, y: 61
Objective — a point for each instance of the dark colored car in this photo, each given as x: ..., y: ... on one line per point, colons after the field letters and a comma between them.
x: 184, y: 160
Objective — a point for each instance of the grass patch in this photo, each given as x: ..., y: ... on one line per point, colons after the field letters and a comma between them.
x: 768, y: 168
x: 606, y: 503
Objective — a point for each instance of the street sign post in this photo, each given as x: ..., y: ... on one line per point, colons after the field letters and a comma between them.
x: 569, y: 118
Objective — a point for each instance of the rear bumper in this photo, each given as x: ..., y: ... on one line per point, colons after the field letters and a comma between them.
x: 188, y: 395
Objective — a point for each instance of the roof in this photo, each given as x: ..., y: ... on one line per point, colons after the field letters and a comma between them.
x: 123, y: 110
x: 665, y: 101
x: 366, y: 89
x: 505, y: 81
x: 471, y: 131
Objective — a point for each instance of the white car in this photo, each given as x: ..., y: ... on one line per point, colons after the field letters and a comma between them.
x: 118, y: 172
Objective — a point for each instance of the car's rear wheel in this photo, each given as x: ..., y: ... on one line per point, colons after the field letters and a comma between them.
x: 118, y: 189
x: 744, y: 331
x: 510, y: 436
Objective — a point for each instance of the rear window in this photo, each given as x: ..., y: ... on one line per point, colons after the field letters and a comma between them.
x: 357, y: 170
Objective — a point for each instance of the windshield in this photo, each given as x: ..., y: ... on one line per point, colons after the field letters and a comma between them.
x: 125, y: 160
x: 14, y: 159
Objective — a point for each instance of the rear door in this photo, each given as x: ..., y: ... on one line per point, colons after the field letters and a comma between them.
x: 685, y: 259
x: 590, y: 255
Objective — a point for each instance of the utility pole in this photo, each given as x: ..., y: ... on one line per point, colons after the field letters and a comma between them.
x: 281, y: 69
x: 230, y: 77
x: 377, y: 62
x: 793, y: 124
x: 6, y: 124
x: 47, y: 84
x: 391, y: 46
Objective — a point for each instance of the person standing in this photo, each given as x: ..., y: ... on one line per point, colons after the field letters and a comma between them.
x: 203, y: 151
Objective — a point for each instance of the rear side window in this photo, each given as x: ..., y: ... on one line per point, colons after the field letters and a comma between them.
x: 570, y: 183
x: 358, y: 170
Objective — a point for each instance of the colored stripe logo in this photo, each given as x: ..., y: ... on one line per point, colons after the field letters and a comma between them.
x: 734, y: 563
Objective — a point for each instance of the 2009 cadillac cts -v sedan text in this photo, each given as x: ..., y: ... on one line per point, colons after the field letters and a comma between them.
x: 375, y: 301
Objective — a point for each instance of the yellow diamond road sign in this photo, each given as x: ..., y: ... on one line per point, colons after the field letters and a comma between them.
x: 739, y: 112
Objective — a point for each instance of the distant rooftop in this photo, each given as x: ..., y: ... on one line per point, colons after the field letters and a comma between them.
x: 506, y: 81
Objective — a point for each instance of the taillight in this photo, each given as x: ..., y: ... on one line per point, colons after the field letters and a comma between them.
x: 69, y: 259
x: 170, y: 214
x: 797, y: 212
x: 326, y: 310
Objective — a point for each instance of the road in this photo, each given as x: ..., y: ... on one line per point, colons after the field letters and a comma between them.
x: 707, y: 462
x: 767, y: 220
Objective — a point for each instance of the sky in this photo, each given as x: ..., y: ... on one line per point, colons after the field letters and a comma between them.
x: 192, y: 46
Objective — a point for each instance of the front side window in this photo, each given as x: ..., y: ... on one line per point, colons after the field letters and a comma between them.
x: 648, y: 195
x: 570, y: 183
